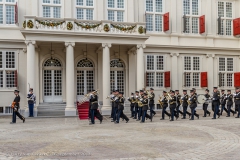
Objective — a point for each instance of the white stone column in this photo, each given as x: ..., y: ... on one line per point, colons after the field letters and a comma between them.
x: 211, y: 79
x: 132, y: 70
x: 70, y: 109
x: 106, y: 108
x: 174, y: 71
x: 30, y: 68
x: 140, y: 67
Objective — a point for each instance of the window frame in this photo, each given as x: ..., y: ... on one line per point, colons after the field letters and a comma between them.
x: 115, y: 9
x: 4, y: 69
x: 84, y: 7
x: 51, y: 5
x: 4, y: 4
x: 154, y: 14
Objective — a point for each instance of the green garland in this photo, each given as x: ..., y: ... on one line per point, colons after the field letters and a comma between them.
x: 106, y: 28
x: 50, y: 24
x: 123, y: 28
x: 141, y: 30
x: 24, y: 24
x: 87, y: 26
x: 69, y: 26
x: 30, y: 24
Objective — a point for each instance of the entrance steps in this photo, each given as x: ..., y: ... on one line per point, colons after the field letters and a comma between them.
x: 51, y: 109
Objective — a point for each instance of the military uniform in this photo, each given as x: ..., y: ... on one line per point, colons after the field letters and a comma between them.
x: 193, y: 105
x: 223, y: 103
x: 229, y: 100
x: 185, y: 106
x: 205, y: 105
x: 94, y: 107
x: 15, y: 108
x: 132, y: 101
x: 172, y: 103
x: 144, y: 110
x: 151, y: 103
x: 120, y: 109
x: 165, y: 105
x: 136, y: 106
x: 237, y: 103
x: 140, y: 108
x: 178, y: 98
x: 216, y: 103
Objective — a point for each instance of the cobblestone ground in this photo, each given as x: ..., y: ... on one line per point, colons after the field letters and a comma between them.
x: 70, y: 138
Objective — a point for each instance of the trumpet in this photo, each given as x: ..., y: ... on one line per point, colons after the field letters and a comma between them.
x: 108, y: 97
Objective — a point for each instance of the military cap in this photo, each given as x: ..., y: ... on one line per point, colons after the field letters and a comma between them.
x: 116, y: 90
x: 194, y: 89
x: 215, y: 87
x: 229, y: 90
x: 184, y: 90
x: 16, y: 91
x: 132, y: 93
x: 172, y: 91
x: 176, y: 90
x: 121, y: 93
x: 136, y: 91
x: 207, y: 90
x: 222, y: 90
x: 164, y: 91
x: 191, y: 91
x: 141, y: 90
x: 151, y: 89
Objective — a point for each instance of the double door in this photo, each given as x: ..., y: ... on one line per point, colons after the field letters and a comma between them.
x: 117, y: 80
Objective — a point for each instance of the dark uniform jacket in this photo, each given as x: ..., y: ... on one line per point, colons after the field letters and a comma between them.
x: 132, y: 101
x: 136, y: 98
x: 145, y: 104
x: 116, y: 101
x: 207, y: 96
x: 216, y: 98
x: 178, y: 97
x: 229, y: 99
x: 172, y: 102
x: 237, y: 98
x: 193, y: 100
x: 165, y: 102
x: 120, y: 103
x: 223, y: 99
x: 151, y: 100
x: 17, y: 100
x: 185, y: 99
x: 112, y: 99
x: 94, y: 101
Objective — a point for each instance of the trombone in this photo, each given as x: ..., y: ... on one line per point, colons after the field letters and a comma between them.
x: 94, y: 92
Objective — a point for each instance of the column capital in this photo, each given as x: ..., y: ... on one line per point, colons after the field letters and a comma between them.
x: 109, y: 45
x: 141, y: 46
x: 27, y: 42
x: 24, y: 50
x: 210, y: 55
x: 174, y: 54
x: 69, y: 43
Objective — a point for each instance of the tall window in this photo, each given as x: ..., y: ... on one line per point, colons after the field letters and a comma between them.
x: 155, y: 71
x: 191, y: 11
x: 225, y: 11
x: 154, y: 15
x: 7, y: 11
x: 51, y: 8
x: 115, y: 9
x: 225, y: 68
x: 191, y: 71
x: 85, y: 9
x: 7, y: 69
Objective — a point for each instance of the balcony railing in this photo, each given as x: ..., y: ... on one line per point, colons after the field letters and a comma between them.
x: 74, y: 25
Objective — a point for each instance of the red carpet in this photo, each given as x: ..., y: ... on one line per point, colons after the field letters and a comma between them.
x: 83, y: 110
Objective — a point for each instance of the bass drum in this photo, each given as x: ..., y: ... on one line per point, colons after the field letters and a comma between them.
x: 201, y: 98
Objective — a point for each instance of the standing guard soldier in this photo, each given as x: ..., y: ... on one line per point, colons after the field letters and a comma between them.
x: 94, y: 106
x: 132, y: 104
x: 120, y: 113
x: 136, y: 105
x: 172, y: 103
x: 140, y: 107
x: 31, y: 101
x: 223, y: 102
x: 151, y: 102
x: 205, y: 104
x: 145, y: 108
x: 193, y: 103
x: 165, y: 105
x: 216, y: 102
x: 178, y: 98
x: 185, y: 104
x: 229, y: 103
x: 15, y: 108
x: 237, y: 101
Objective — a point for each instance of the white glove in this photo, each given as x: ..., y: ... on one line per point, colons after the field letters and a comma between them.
x: 116, y: 98
x: 213, y: 99
x: 189, y: 99
x: 141, y: 99
x: 112, y: 96
x: 136, y: 96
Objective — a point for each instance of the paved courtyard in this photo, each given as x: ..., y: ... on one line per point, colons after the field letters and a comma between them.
x: 70, y: 138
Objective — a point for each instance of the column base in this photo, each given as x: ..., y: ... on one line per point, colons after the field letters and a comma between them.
x: 70, y: 111
x: 26, y: 112
x: 106, y: 110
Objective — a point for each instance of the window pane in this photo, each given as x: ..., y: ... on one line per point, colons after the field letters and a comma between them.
x: 56, y: 1
x: 158, y: 23
x: 10, y: 79
x: 46, y: 11
x: 221, y: 64
x: 187, y: 63
x: 150, y: 62
x: 186, y: 6
x: 196, y: 63
x: 89, y: 2
x: 1, y: 79
x: 221, y: 9
x: 159, y: 80
x: 194, y: 7
x: 196, y: 78
x: 89, y: 14
x: 222, y: 28
x: 10, y: 14
x: 80, y: 13
x: 149, y: 5
x: 10, y: 1
x: 158, y: 4
x: 187, y: 79
x: 120, y: 3
x: 150, y: 79
x: 111, y: 4
x: 46, y: 1
x: 228, y: 27
x: 1, y: 60
x: 222, y: 81
x: 56, y: 12
x: 10, y: 60
x: 120, y: 16
x: 80, y: 2
x: 229, y: 80
x: 229, y: 9
x: 1, y: 14
x: 194, y: 25
x: 111, y: 15
x: 187, y: 25
x: 149, y: 22
x: 229, y: 64
x: 159, y: 62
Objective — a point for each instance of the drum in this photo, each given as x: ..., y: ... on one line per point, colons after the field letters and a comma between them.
x: 201, y: 98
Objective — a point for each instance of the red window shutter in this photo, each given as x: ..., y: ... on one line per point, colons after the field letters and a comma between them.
x: 202, y: 24
x: 204, y: 79
x: 167, y: 79
x: 237, y: 79
x: 16, y: 78
x: 166, y: 22
x: 16, y: 13
x: 236, y: 26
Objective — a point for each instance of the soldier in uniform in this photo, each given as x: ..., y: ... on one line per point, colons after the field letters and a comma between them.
x: 172, y: 103
x: 112, y: 96
x: 151, y: 103
x: 195, y: 93
x: 115, y: 105
x: 15, y: 108
x: 178, y: 98
x: 205, y: 104
x: 223, y: 101
x: 165, y: 105
x: 120, y: 113
x: 132, y: 104
x: 140, y: 107
x: 94, y: 106
x: 145, y: 108
x: 193, y: 103
x: 229, y: 103
x: 31, y: 101
x: 136, y: 105
x: 216, y: 102
x: 237, y: 101
x: 185, y: 104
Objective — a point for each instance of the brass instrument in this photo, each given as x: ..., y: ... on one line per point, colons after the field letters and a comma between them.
x: 181, y: 101
x: 94, y: 92
x: 168, y: 96
x: 149, y: 94
x: 160, y: 102
x: 140, y: 104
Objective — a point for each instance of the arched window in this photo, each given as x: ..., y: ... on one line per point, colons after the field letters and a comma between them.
x: 85, y: 63
x: 117, y: 75
x: 53, y: 62
x: 116, y: 63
